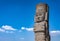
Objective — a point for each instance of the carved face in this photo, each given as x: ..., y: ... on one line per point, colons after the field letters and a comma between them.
x: 40, y: 17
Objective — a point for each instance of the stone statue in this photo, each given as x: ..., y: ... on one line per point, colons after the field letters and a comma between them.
x: 41, y: 23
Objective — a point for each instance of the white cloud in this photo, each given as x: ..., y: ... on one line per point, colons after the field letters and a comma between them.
x: 54, y: 33
x: 7, y: 27
x: 22, y: 28
x: 28, y: 29
x: 2, y: 30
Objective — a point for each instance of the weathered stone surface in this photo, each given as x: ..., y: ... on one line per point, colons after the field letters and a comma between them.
x: 39, y: 17
x: 41, y: 8
x: 41, y: 27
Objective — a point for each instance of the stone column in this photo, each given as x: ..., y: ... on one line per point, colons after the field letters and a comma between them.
x: 41, y: 26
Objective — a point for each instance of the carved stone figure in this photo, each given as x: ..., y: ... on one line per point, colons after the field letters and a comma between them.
x: 41, y: 26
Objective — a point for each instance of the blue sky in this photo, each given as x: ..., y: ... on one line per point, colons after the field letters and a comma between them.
x: 17, y: 19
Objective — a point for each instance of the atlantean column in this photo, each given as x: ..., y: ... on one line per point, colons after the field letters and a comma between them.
x: 41, y: 26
